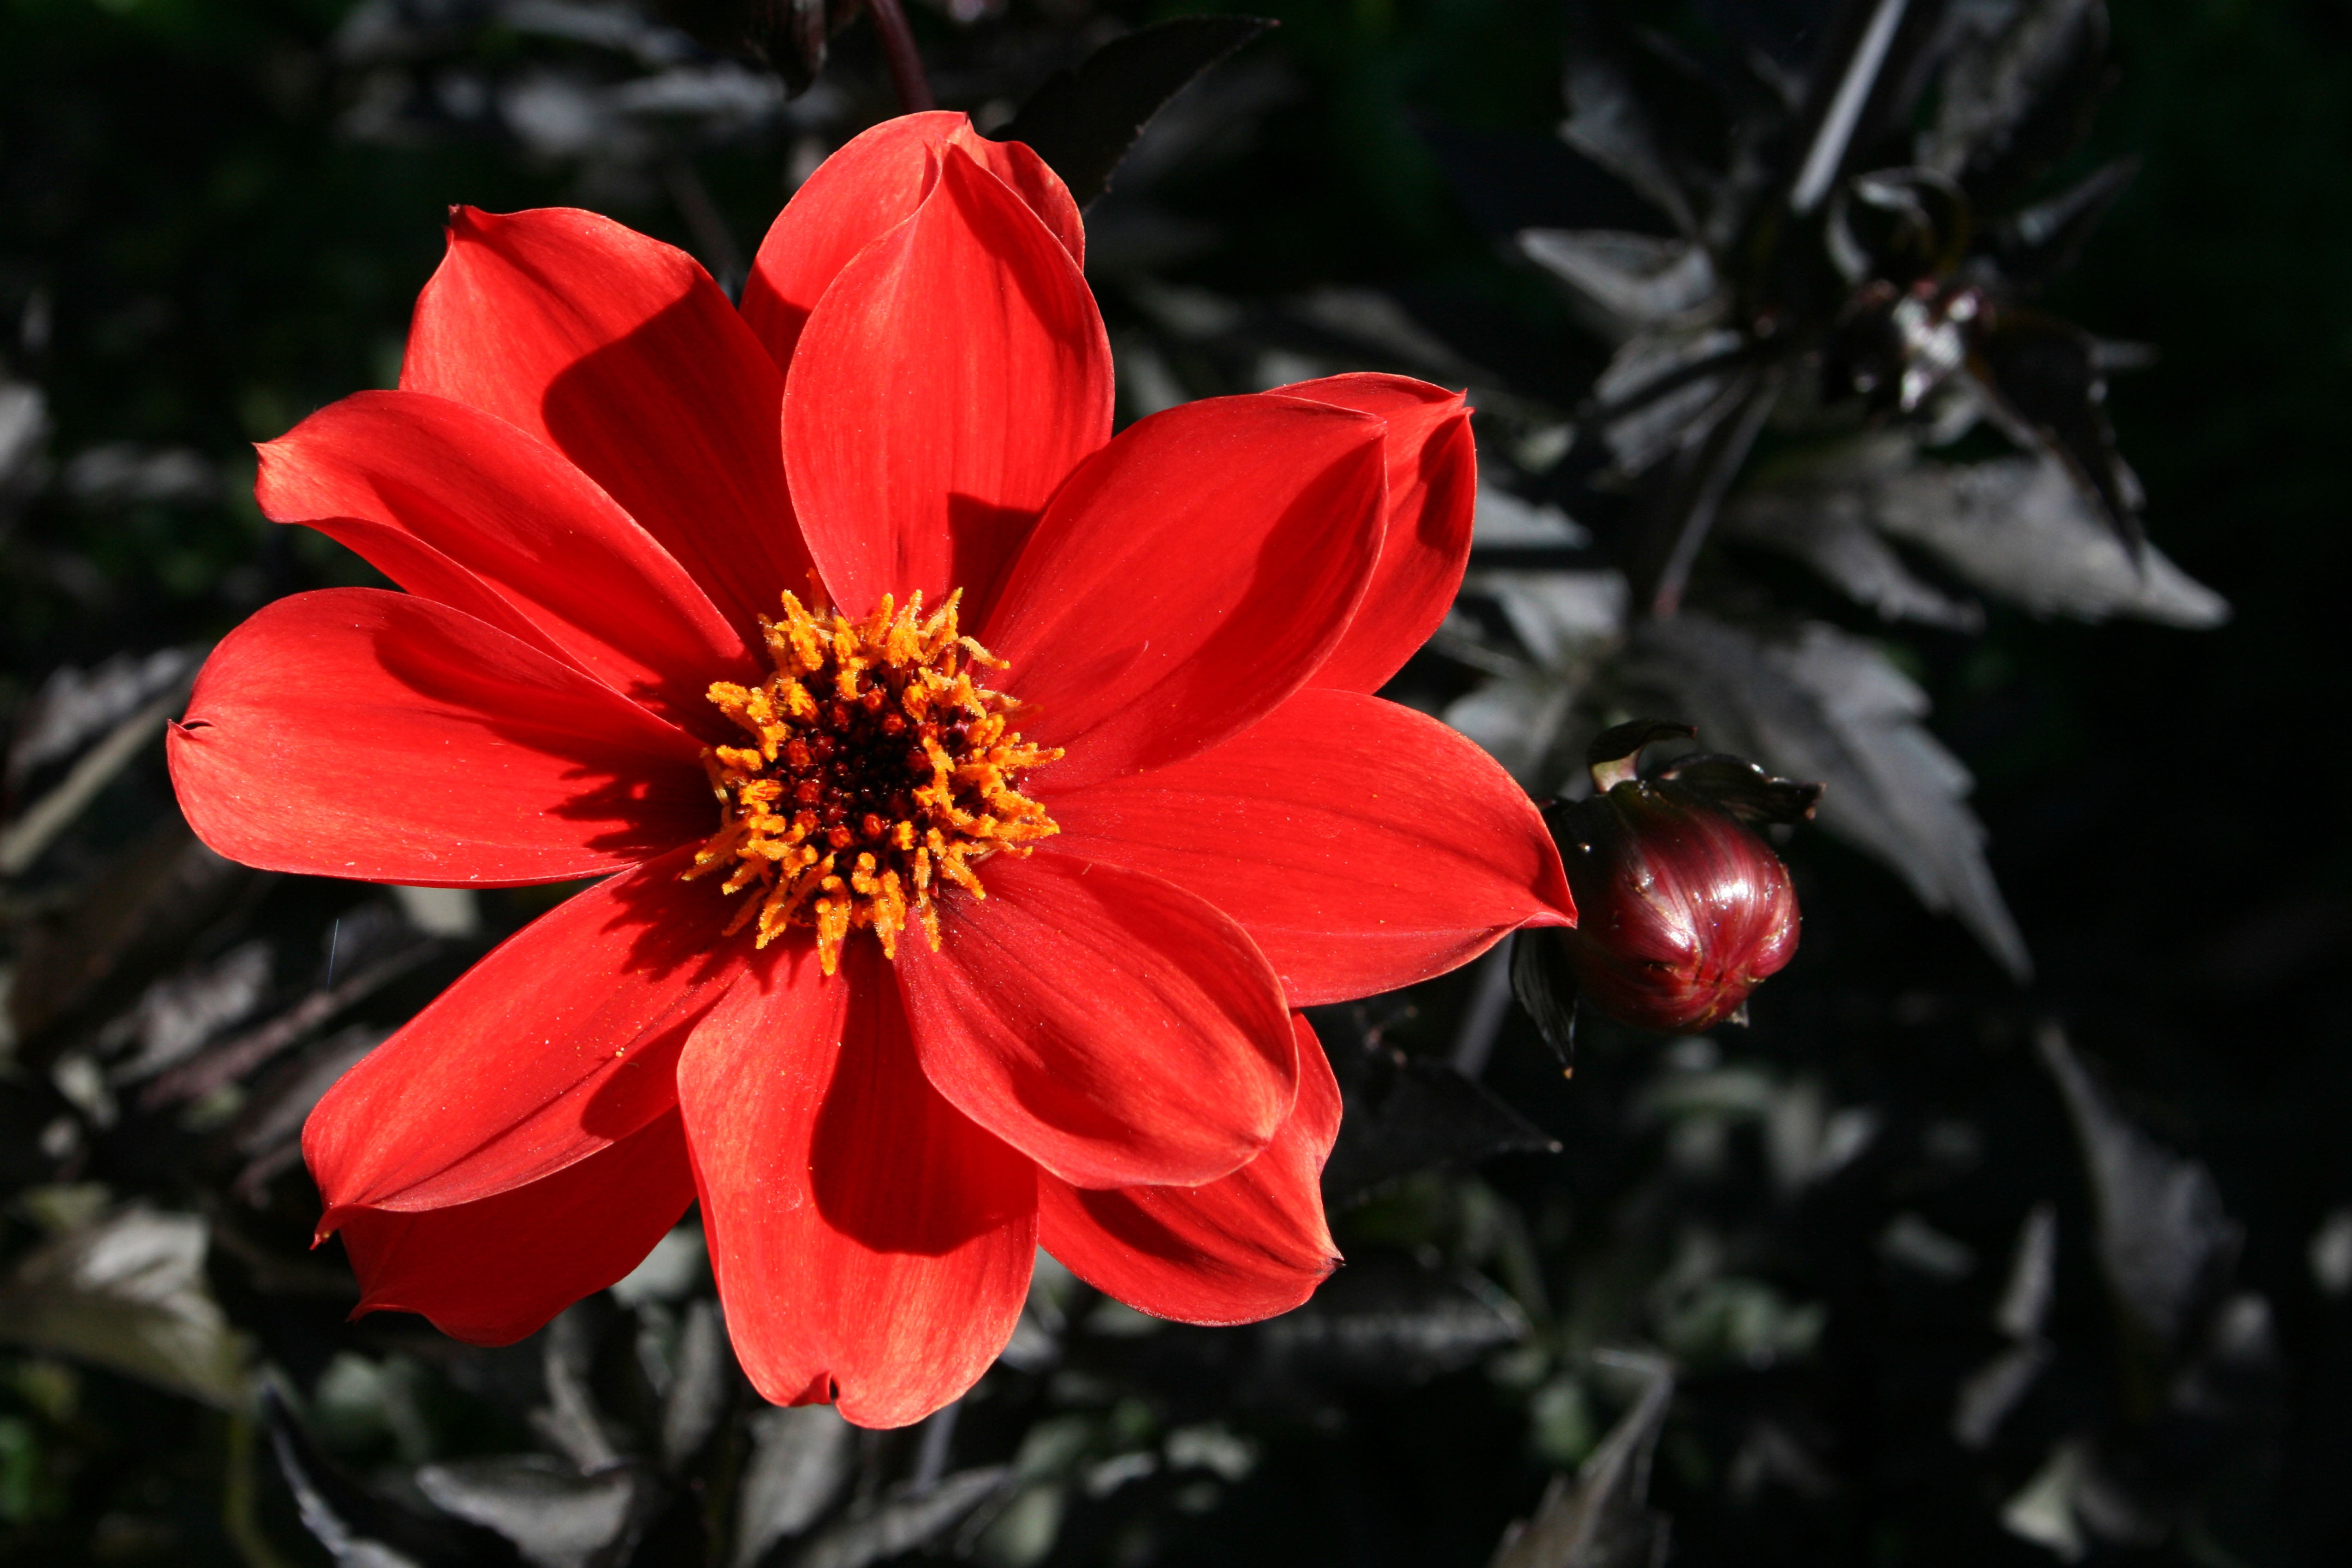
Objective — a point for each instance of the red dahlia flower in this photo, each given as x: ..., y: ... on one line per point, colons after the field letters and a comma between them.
x: 990, y: 940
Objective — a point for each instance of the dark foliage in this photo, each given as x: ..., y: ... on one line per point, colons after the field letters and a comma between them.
x: 1789, y: 325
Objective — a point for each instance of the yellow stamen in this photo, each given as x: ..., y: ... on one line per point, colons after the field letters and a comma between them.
x: 876, y: 770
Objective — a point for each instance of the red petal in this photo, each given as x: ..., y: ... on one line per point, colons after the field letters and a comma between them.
x: 621, y: 354
x: 1432, y: 493
x: 872, y: 1246
x: 490, y: 1271
x: 952, y: 375
x: 1112, y: 1028
x: 384, y: 738
x: 856, y: 195
x: 1361, y: 844
x: 463, y: 493
x: 1233, y: 1251
x: 560, y: 1043
x: 1188, y: 578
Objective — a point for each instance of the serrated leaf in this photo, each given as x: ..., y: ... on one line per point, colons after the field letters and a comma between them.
x: 1601, y: 1518
x: 128, y: 1293
x: 2020, y: 528
x: 1405, y: 1114
x: 1827, y: 526
x: 1083, y: 121
x: 1824, y: 705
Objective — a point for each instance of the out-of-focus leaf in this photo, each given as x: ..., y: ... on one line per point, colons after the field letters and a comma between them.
x: 2018, y: 527
x: 362, y: 1528
x: 2042, y: 375
x: 569, y: 1421
x: 1629, y: 281
x: 233, y: 1058
x: 701, y: 1380
x: 1826, y: 706
x: 801, y: 1458
x: 1601, y: 1518
x: 1827, y: 527
x: 1608, y: 124
x: 128, y: 1293
x: 142, y: 904
x: 1989, y: 1394
x: 2016, y: 92
x: 33, y: 830
x: 268, y: 1129
x: 2164, y: 1242
x: 24, y: 429
x: 1082, y: 122
x: 178, y: 1014
x: 122, y: 472
x: 906, y: 1519
x: 1405, y: 1114
x: 556, y: 1517
x: 1664, y: 391
x: 789, y: 36
x: 2032, y: 1275
x: 75, y: 705
x: 1386, y: 1320
x: 2038, y: 244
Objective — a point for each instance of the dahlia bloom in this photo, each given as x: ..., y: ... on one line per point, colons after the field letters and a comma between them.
x: 973, y: 796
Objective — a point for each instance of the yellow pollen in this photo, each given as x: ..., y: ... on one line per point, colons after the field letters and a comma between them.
x: 874, y: 766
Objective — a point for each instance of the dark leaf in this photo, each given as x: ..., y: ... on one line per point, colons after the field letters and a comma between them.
x: 2043, y: 376
x: 1625, y: 282
x: 909, y: 1517
x: 1404, y: 1114
x: 1385, y: 1319
x: 1739, y: 786
x: 787, y: 36
x: 2166, y: 1245
x: 1509, y: 182
x: 801, y: 1458
x: 1601, y: 1518
x: 1082, y: 122
x: 362, y: 1528
x: 1623, y: 743
x: 143, y: 905
x: 2017, y: 95
x: 2038, y: 244
x: 1546, y: 987
x: 128, y: 1293
x: 701, y: 1380
x: 556, y: 1517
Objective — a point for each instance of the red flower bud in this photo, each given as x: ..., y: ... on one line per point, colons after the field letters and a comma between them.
x: 1684, y: 909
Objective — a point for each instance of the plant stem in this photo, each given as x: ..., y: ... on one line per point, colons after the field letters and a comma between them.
x: 898, y: 48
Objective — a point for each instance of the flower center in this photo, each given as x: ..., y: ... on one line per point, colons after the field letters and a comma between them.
x: 876, y: 768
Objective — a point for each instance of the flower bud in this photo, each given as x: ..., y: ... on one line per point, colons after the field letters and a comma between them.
x: 1684, y: 909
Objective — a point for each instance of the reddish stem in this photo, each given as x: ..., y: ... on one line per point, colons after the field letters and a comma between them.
x: 899, y: 49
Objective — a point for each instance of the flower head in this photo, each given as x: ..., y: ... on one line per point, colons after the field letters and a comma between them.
x: 974, y: 795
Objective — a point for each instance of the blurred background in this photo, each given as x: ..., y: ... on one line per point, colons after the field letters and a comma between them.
x: 1972, y: 457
